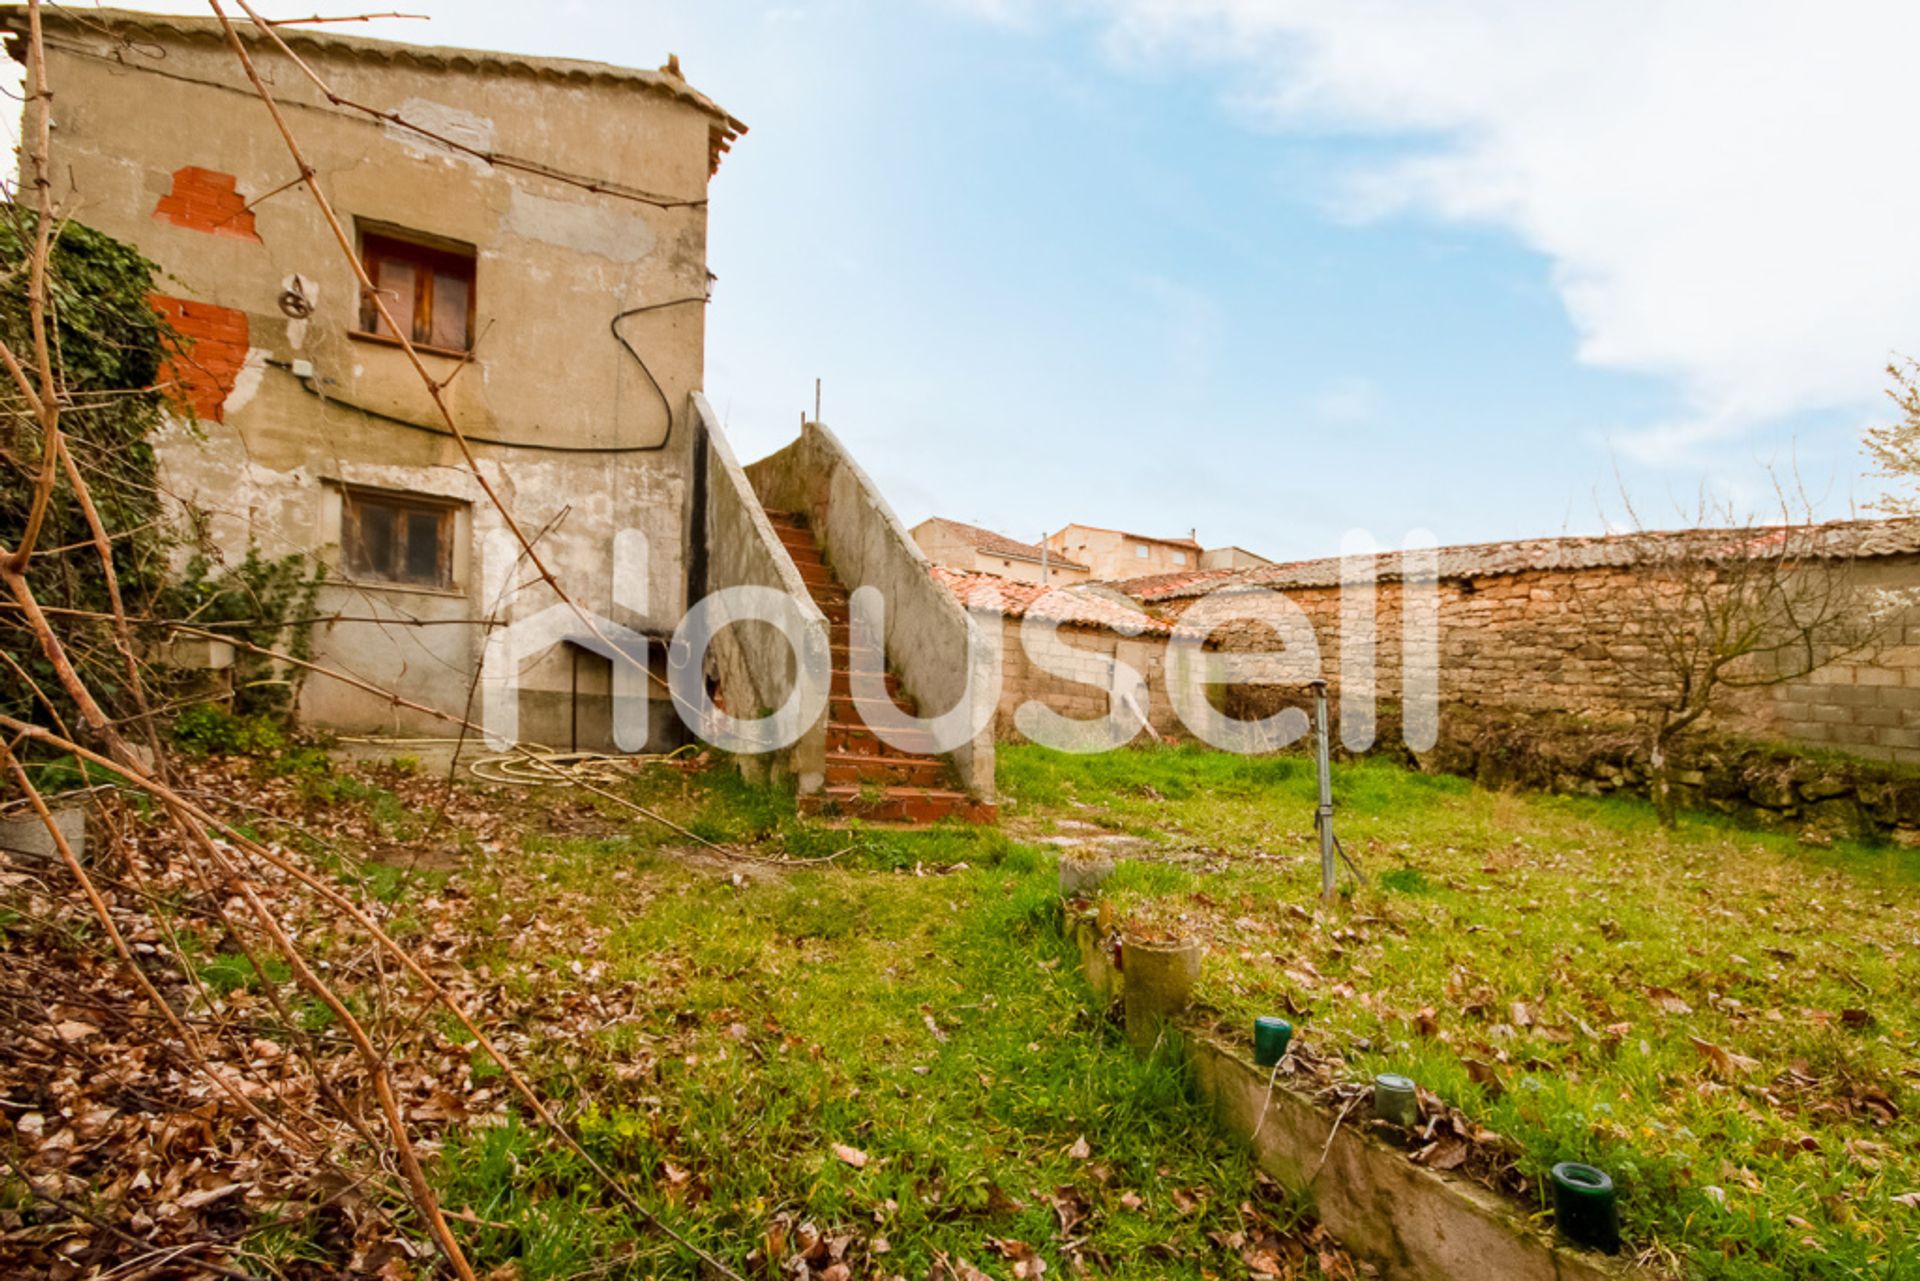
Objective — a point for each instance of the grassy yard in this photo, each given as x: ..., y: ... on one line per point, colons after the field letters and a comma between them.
x: 1724, y: 1020
x: 882, y: 1061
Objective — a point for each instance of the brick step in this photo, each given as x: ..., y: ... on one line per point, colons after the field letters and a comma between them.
x: 825, y: 594
x: 897, y: 804
x: 842, y: 686
x: 852, y: 738
x: 786, y: 520
x: 844, y: 709
x: 801, y: 546
x: 853, y: 769
x: 815, y: 573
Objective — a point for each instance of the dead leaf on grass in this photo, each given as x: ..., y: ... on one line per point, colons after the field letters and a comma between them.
x: 1026, y: 1261
x: 1723, y: 1062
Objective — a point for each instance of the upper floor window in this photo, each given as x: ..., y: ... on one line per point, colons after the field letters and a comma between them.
x: 428, y: 289
x: 1140, y: 551
x: 397, y: 538
x: 1179, y: 558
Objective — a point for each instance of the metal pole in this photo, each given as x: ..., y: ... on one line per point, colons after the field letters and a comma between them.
x: 1323, y: 816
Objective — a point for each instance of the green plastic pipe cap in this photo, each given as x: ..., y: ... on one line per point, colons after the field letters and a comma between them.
x: 1270, y: 1038
x: 1395, y: 1100
x: 1584, y: 1206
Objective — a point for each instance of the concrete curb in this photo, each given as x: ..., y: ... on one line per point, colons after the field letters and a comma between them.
x: 1412, y: 1223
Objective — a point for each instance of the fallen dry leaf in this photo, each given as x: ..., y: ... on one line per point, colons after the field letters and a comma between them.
x: 1722, y: 1061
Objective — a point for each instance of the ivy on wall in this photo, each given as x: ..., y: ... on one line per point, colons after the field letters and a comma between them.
x: 110, y: 349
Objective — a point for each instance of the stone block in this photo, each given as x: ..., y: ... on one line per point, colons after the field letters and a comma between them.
x: 26, y: 833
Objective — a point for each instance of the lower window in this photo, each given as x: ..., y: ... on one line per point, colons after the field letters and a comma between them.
x: 397, y: 538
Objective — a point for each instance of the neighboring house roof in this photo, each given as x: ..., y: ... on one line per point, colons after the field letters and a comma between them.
x: 1081, y: 605
x: 1835, y: 540
x: 328, y: 39
x: 992, y: 544
x: 1185, y: 543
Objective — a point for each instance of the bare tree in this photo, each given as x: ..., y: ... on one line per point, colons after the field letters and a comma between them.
x: 1728, y: 606
x: 1895, y: 447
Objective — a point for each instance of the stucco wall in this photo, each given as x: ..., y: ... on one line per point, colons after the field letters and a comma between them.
x: 1567, y: 641
x: 944, y: 546
x: 754, y: 665
x: 1113, y: 555
x: 867, y: 546
x: 555, y: 265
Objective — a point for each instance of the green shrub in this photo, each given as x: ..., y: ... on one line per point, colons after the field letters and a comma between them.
x: 207, y: 729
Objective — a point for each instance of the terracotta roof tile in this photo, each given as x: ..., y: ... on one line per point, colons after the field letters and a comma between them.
x: 1081, y: 605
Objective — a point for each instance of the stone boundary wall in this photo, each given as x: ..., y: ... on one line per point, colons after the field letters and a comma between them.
x: 1091, y: 655
x: 1566, y: 641
x: 1777, y: 787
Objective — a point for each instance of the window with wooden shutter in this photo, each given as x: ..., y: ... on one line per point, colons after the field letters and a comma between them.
x: 395, y: 538
x: 428, y: 289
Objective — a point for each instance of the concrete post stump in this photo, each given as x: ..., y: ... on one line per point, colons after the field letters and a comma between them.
x: 1158, y: 987
x: 1080, y: 877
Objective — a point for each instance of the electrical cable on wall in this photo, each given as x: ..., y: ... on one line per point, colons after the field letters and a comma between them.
x: 311, y: 383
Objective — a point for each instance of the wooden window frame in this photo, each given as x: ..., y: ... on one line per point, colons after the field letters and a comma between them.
x: 428, y: 256
x: 446, y: 513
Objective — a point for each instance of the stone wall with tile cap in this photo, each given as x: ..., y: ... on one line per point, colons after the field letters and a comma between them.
x: 1568, y: 641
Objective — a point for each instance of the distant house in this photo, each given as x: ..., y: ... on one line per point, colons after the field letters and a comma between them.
x: 1114, y: 554
x: 981, y: 551
x: 1231, y: 558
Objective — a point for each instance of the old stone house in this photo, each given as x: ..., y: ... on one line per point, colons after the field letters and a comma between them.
x: 974, y: 550
x: 538, y: 223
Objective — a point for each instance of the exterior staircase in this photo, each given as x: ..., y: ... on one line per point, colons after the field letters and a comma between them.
x: 866, y: 778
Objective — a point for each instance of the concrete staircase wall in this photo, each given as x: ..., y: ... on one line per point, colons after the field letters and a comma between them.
x: 755, y: 667
x: 864, y: 543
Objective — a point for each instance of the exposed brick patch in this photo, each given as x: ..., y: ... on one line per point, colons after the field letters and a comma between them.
x: 203, y: 370
x: 207, y: 200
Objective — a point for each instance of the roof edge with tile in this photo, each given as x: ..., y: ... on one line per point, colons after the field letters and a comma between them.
x: 1833, y: 540
x: 725, y: 129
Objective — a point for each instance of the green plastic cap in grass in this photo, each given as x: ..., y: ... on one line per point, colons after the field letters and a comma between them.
x: 1584, y: 1206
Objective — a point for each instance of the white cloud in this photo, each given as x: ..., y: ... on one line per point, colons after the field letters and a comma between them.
x: 1720, y: 185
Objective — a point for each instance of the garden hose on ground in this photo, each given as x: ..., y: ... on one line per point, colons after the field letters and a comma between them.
x: 536, y: 767
x: 531, y: 765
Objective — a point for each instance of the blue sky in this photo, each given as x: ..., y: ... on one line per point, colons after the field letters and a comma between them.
x: 1275, y: 270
